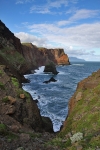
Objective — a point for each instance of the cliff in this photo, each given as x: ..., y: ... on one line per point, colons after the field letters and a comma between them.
x: 81, y: 130
x: 26, y: 57
x: 41, y: 56
x: 20, y: 119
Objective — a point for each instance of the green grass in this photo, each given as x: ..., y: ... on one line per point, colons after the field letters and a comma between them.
x: 85, y: 118
x: 9, y: 135
x: 2, y: 86
x: 1, y: 72
x: 5, y: 99
x: 13, y: 57
x: 3, y: 129
x: 15, y: 82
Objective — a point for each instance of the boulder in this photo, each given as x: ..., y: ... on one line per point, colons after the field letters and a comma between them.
x: 50, y: 80
x: 47, y: 124
x: 11, y: 99
x: 22, y: 96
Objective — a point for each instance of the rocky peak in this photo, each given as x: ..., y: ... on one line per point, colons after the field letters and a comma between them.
x: 7, y: 38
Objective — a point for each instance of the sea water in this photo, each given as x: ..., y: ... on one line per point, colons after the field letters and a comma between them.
x: 53, y: 97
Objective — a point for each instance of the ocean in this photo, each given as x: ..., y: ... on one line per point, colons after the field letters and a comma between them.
x: 53, y: 97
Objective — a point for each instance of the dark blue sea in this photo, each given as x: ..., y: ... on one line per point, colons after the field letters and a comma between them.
x: 53, y: 97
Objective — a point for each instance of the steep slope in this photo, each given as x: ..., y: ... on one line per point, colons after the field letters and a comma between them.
x: 21, y: 126
x: 11, y: 51
x: 81, y: 130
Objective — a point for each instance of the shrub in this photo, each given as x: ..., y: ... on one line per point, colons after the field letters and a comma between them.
x: 76, y: 137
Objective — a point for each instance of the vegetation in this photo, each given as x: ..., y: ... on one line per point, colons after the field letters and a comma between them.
x: 84, y: 119
x: 15, y: 82
x: 27, y: 95
x: 35, y: 135
x: 5, y: 99
x: 13, y: 57
x: 3, y: 129
x: 11, y: 136
x: 1, y: 73
x: 2, y: 86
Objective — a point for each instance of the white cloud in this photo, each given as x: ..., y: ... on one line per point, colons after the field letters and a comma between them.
x: 46, y: 8
x: 23, y: 1
x: 40, y: 9
x: 79, y: 15
x: 86, y: 35
x: 25, y: 37
x: 84, y: 13
x: 87, y: 54
x: 80, y: 40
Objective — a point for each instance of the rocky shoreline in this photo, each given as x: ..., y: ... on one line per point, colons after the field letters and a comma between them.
x: 21, y: 125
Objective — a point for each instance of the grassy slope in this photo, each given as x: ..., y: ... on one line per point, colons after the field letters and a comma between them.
x: 84, y: 117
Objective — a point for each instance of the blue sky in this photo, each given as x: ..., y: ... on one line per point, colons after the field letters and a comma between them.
x: 70, y: 24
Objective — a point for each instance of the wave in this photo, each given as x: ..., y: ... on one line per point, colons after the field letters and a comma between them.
x: 77, y: 64
x: 40, y: 70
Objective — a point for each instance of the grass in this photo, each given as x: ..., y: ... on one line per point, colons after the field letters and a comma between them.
x: 35, y: 135
x: 84, y: 118
x: 2, y: 86
x: 59, y: 143
x: 4, y: 132
x: 5, y: 99
x: 1, y: 72
x: 3, y: 129
x: 14, y: 58
x: 15, y: 82
x: 27, y: 95
x: 11, y: 136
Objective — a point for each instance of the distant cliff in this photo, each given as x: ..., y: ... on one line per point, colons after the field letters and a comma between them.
x: 26, y: 57
x: 75, y: 59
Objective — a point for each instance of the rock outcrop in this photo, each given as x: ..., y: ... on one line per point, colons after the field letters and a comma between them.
x: 16, y: 105
x: 50, y: 68
x: 60, y: 56
x: 50, y: 80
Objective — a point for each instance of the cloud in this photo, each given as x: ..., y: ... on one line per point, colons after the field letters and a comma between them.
x: 25, y: 37
x: 79, y: 15
x: 23, y: 1
x: 40, y: 9
x: 85, y: 35
x: 46, y: 8
x: 80, y: 40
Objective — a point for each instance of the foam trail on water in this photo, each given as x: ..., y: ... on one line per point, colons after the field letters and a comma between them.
x: 77, y: 64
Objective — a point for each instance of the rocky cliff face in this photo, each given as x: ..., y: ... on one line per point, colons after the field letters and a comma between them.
x: 42, y: 56
x: 25, y: 57
x: 60, y: 57
x: 16, y: 106
x: 11, y: 51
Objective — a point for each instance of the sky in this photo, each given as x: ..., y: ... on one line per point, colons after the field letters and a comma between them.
x: 73, y: 25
